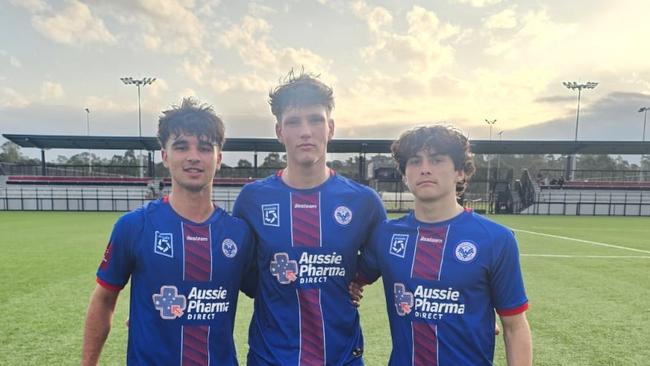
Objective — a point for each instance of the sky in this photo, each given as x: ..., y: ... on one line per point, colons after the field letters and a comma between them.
x: 393, y: 64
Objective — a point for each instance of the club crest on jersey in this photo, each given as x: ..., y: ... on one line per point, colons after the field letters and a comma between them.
x: 271, y: 214
x: 398, y: 244
x: 284, y: 269
x: 466, y: 251
x: 170, y: 304
x: 403, y: 299
x: 229, y: 248
x: 164, y: 244
x: 343, y: 215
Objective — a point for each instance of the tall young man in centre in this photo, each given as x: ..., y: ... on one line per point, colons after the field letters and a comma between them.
x: 446, y: 269
x: 310, y: 223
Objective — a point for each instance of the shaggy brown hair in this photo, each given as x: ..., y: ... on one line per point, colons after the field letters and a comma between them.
x: 302, y: 90
x: 444, y: 140
x: 192, y: 118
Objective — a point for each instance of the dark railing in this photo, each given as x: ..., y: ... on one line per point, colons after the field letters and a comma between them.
x: 546, y: 176
x: 590, y: 203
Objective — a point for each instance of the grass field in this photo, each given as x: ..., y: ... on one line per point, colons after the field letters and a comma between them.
x: 588, y: 280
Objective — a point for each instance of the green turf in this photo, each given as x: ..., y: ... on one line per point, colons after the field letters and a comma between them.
x: 584, y: 311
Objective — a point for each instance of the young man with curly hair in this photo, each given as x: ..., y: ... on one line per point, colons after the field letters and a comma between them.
x: 446, y: 269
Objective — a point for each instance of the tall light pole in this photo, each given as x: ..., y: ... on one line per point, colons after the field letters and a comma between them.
x: 571, y: 161
x: 139, y: 83
x: 487, y: 189
x: 87, y: 121
x: 499, y: 155
x: 90, y: 160
x: 645, y: 115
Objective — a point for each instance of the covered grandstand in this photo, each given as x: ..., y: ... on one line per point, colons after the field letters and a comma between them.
x: 83, y: 188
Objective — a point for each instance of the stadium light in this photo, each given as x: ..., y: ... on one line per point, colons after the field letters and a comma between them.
x: 487, y: 190
x: 573, y: 86
x: 571, y: 162
x: 90, y: 160
x: 499, y: 155
x: 645, y: 114
x: 139, y: 83
x: 87, y: 121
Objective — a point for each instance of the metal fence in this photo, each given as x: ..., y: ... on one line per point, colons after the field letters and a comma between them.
x: 590, y: 203
x: 40, y: 198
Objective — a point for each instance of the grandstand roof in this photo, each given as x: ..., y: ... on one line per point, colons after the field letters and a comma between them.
x: 335, y: 146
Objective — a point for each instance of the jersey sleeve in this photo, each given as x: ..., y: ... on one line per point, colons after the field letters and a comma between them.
x: 116, y: 266
x: 368, y: 268
x: 378, y: 210
x: 506, y: 280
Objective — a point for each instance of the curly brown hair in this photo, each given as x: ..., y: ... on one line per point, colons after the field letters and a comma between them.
x: 301, y: 90
x: 442, y: 139
x: 193, y: 118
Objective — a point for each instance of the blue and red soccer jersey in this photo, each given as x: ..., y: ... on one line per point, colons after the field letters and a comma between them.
x: 307, y: 250
x: 443, y: 282
x: 185, y: 279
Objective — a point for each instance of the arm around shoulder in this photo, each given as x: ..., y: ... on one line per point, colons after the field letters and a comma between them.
x: 518, y: 340
x: 98, y: 324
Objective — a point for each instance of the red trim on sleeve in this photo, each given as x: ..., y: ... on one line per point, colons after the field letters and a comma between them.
x: 165, y: 199
x: 514, y: 311
x: 108, y: 286
x: 279, y: 172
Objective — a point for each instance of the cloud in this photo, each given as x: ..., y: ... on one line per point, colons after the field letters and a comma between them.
x: 13, y: 61
x: 256, y: 9
x: 250, y: 38
x: 479, y: 3
x: 33, y: 6
x: 422, y: 47
x: 555, y: 99
x: 73, y: 24
x: 51, y: 90
x: 170, y: 26
x: 158, y: 89
x: 537, y: 37
x: 505, y: 19
x: 10, y: 98
x: 613, y: 117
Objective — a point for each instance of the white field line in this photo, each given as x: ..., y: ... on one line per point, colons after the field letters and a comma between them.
x: 587, y: 256
x: 585, y: 241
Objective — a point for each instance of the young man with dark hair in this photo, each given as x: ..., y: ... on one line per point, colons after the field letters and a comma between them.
x: 310, y: 223
x: 186, y: 258
x: 446, y: 269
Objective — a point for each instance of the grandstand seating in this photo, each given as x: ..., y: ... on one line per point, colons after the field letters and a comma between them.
x: 576, y: 184
x: 64, y: 193
x: 593, y: 201
x: 86, y: 181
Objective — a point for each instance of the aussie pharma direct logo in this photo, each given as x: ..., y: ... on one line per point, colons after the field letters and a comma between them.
x: 198, y: 304
x: 427, y: 303
x: 310, y: 268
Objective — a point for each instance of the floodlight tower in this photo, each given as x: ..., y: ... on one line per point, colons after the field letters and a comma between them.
x: 139, y: 83
x: 645, y: 114
x: 571, y: 162
x: 90, y: 161
x: 87, y: 121
x: 487, y: 190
